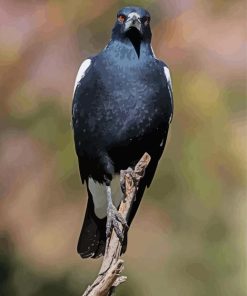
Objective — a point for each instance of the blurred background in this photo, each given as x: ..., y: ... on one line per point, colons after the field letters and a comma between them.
x: 189, y: 237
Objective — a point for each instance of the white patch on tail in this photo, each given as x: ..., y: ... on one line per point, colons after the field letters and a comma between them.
x: 99, y: 195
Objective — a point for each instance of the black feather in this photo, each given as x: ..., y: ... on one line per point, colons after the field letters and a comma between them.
x: 121, y: 109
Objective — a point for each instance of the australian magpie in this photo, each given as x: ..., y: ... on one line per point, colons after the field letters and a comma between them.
x: 122, y: 107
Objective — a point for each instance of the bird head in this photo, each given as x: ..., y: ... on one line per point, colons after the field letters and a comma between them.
x: 132, y: 23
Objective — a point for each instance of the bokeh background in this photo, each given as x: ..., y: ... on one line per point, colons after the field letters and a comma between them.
x: 189, y: 237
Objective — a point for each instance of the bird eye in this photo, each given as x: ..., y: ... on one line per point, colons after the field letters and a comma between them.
x: 121, y: 18
x: 146, y: 20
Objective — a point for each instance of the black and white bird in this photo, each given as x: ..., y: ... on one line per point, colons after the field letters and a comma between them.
x: 122, y: 108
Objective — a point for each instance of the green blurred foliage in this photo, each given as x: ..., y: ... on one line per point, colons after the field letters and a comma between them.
x: 16, y: 278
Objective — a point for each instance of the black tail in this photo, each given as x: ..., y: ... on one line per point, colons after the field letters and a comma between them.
x: 93, y: 233
x: 92, y: 240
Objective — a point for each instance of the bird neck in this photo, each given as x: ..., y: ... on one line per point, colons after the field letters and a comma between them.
x: 125, y: 48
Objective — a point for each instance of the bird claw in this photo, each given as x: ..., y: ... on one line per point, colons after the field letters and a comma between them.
x: 113, y: 220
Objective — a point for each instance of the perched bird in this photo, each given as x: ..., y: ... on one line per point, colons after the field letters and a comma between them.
x: 122, y: 108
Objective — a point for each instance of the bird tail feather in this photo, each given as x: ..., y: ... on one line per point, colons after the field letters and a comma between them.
x: 93, y: 233
x: 92, y: 240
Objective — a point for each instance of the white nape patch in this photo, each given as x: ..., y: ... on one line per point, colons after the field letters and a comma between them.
x: 99, y: 195
x: 81, y: 72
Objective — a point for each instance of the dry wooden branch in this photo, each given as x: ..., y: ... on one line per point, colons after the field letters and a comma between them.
x: 109, y: 275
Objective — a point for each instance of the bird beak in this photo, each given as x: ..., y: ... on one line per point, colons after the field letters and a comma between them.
x: 133, y: 21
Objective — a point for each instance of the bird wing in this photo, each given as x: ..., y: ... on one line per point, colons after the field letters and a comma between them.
x: 157, y: 150
x: 169, y: 85
x: 93, y: 234
x: 82, y: 72
x: 81, y: 82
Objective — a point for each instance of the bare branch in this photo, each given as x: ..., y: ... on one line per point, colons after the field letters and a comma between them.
x: 109, y: 275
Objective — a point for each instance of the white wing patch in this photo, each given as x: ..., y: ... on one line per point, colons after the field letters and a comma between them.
x: 99, y: 195
x: 169, y: 82
x: 168, y: 78
x: 81, y: 73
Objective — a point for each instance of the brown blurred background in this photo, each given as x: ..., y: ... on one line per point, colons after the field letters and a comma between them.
x: 189, y: 237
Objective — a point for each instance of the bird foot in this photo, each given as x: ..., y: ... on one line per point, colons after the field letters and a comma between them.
x: 113, y: 220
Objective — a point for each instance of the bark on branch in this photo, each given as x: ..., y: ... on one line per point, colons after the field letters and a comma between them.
x: 109, y: 276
